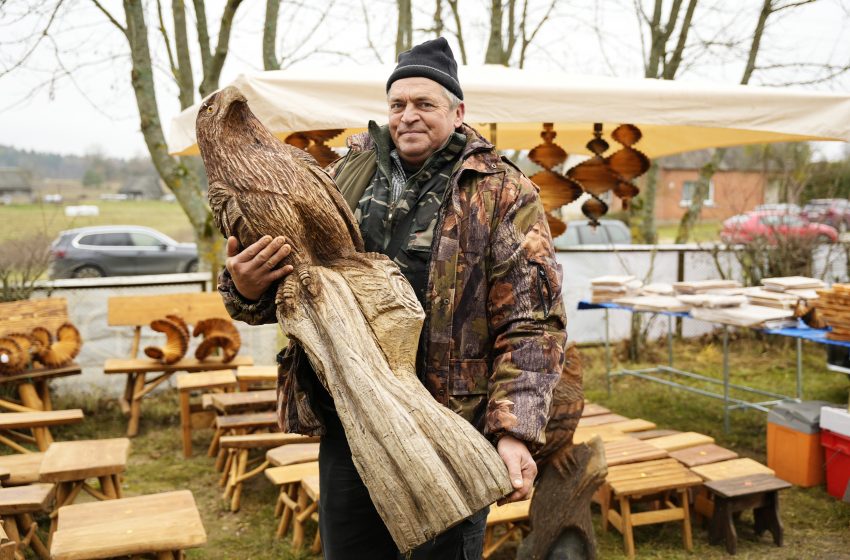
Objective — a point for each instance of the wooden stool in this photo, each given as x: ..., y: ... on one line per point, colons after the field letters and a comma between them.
x: 256, y: 376
x: 70, y: 464
x: 629, y: 450
x: 308, y: 508
x: 723, y: 470
x: 288, y: 478
x: 510, y: 516
x: 238, y: 424
x: 252, y: 401
x: 600, y: 419
x: 8, y: 547
x: 237, y: 462
x: 38, y: 423
x: 162, y: 524
x: 648, y: 479
x: 591, y: 409
x: 758, y: 492
x: 652, y: 434
x: 680, y: 441
x: 222, y: 379
x: 703, y: 455
x: 23, y: 468
x: 16, y: 508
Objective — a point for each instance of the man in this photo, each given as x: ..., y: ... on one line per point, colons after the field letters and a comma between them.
x: 468, y: 231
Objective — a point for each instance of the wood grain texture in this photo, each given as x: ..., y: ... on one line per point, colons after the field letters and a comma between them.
x: 25, y: 499
x: 78, y: 460
x: 22, y: 316
x: 17, y: 420
x: 139, y: 311
x: 358, y: 320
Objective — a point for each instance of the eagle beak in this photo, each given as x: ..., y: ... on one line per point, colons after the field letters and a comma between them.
x: 228, y: 98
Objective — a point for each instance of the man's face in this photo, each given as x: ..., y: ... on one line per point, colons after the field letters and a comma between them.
x: 421, y: 118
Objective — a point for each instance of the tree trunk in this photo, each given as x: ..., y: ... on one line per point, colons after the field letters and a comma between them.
x: 184, y: 62
x: 698, y: 197
x: 425, y: 467
x: 438, y: 18
x: 459, y: 32
x: 404, y: 32
x: 179, y: 178
x: 212, y: 70
x: 495, y: 53
x: 270, y: 61
x: 648, y: 233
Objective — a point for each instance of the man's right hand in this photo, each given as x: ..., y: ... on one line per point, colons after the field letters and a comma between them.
x: 254, y: 269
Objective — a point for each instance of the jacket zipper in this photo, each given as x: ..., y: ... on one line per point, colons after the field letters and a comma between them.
x: 543, y: 279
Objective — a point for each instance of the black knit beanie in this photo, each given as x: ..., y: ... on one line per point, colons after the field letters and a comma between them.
x: 433, y: 60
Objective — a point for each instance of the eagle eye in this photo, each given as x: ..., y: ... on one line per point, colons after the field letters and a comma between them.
x: 209, y: 108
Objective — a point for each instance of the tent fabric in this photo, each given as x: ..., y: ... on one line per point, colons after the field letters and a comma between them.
x: 511, y: 104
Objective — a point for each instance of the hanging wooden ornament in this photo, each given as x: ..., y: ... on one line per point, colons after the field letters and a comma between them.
x: 595, y: 176
x: 556, y: 190
x: 627, y: 162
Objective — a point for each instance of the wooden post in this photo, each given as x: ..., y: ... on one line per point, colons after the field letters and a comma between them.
x: 186, y: 423
x: 628, y: 532
x: 689, y: 543
x: 298, y: 528
x: 136, y: 405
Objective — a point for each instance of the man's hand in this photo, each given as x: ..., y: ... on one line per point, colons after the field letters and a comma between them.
x: 254, y: 269
x: 521, y: 467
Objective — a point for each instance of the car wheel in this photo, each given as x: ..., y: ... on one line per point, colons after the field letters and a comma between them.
x: 192, y: 266
x: 88, y: 271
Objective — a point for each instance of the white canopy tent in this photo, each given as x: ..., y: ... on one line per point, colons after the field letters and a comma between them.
x: 512, y: 104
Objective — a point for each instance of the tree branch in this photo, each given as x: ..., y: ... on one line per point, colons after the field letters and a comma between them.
x: 369, y: 32
x: 672, y: 66
x: 167, y: 41
x: 213, y: 73
x: 102, y: 9
x: 35, y: 45
x: 458, y: 30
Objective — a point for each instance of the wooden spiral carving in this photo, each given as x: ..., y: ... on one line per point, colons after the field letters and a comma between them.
x: 41, y: 339
x: 217, y: 333
x: 176, y: 340
x: 556, y: 189
x: 13, y: 359
x: 65, y: 349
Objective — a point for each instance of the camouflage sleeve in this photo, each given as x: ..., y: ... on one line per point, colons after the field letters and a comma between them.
x: 526, y: 315
x: 258, y: 312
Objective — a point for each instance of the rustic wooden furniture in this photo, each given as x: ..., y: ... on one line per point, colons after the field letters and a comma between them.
x: 22, y: 468
x: 237, y: 462
x: 69, y: 464
x: 732, y: 468
x: 607, y: 433
x: 288, y: 478
x: 680, y: 441
x: 652, y: 434
x: 593, y: 409
x: 251, y: 401
x: 251, y: 377
x: 221, y: 380
x: 651, y: 479
x: 512, y: 517
x: 163, y: 524
x: 17, y: 506
x: 39, y: 423
x: 757, y: 492
x: 8, y: 547
x: 621, y: 452
x: 33, y: 385
x: 138, y: 312
x: 703, y: 455
x: 308, y: 508
x: 600, y: 419
x: 238, y: 424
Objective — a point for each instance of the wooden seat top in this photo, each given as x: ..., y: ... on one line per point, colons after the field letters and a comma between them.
x: 631, y: 450
x: 648, y: 477
x: 130, y: 526
x: 258, y: 441
x: 78, y: 460
x: 652, y: 434
x: 227, y: 403
x: 633, y: 425
x: 508, y: 513
x: 292, y: 454
x: 592, y: 409
x: 148, y: 365
x: 733, y: 468
x: 15, y: 420
x: 680, y: 441
x: 23, y: 468
x: 257, y: 373
x: 291, y: 473
x: 248, y: 420
x: 25, y: 499
x: 703, y: 455
x: 139, y: 311
x: 310, y: 484
x: 600, y: 419
x: 43, y: 373
x: 584, y: 434
x: 206, y: 380
x: 746, y: 485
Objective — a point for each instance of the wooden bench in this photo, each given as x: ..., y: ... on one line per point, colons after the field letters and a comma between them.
x: 252, y: 377
x: 592, y: 409
x: 22, y: 468
x: 163, y: 524
x: 39, y: 423
x: 17, y: 506
x: 33, y: 385
x: 650, y: 479
x: 138, y: 312
x: 216, y: 380
x: 288, y: 478
x: 237, y: 462
x: 703, y: 455
x: 513, y: 517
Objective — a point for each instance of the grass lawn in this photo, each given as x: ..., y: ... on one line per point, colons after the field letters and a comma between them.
x: 702, y: 232
x: 816, y: 526
x: 28, y: 220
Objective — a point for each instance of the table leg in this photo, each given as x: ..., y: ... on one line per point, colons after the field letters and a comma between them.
x: 116, y: 483
x: 628, y: 533
x: 725, y: 379
x: 107, y: 486
x: 186, y: 424
x: 689, y: 543
x: 136, y: 405
x: 43, y: 388
x: 35, y: 540
x: 767, y: 518
x: 298, y: 528
x: 670, y: 340
x: 799, y: 368
x: 723, y: 510
x: 607, y: 355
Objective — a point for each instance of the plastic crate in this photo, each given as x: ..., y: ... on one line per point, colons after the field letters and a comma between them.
x: 837, y: 448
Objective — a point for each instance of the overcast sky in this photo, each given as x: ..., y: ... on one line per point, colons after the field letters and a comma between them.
x: 72, y: 94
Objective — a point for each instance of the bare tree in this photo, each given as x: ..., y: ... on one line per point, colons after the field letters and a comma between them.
x: 275, y: 56
x: 506, y: 31
x: 458, y: 30
x: 404, y: 32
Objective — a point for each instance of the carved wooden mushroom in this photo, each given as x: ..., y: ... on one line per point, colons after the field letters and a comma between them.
x: 217, y: 333
x: 176, y: 340
x: 67, y: 346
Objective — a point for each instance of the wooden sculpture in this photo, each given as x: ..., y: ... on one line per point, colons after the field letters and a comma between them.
x: 176, y: 340
x: 358, y: 320
x: 13, y: 359
x: 561, y: 527
x: 41, y: 339
x: 217, y: 333
x: 556, y: 189
x: 66, y: 347
x: 628, y: 163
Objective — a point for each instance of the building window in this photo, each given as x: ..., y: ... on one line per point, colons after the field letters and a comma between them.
x: 688, y: 188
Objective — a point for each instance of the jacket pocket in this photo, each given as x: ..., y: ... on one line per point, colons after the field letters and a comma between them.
x: 468, y: 377
x: 543, y: 287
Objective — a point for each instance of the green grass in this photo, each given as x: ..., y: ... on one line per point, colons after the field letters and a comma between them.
x: 28, y: 220
x: 816, y: 525
x: 702, y: 232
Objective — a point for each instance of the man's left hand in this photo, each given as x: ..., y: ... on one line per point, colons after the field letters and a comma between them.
x: 521, y: 467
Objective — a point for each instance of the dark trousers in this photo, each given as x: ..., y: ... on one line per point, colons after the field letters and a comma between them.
x: 350, y: 526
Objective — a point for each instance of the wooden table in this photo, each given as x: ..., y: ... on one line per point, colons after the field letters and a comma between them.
x: 236, y: 424
x: 593, y: 409
x: 248, y: 376
x: 221, y: 379
x: 757, y: 492
x: 162, y: 524
x: 69, y: 464
x: 254, y: 401
x: 139, y: 386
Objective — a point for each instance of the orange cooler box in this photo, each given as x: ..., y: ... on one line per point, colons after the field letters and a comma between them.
x: 793, y: 442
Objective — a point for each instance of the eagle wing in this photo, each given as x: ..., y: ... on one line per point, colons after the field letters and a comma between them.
x: 341, y: 205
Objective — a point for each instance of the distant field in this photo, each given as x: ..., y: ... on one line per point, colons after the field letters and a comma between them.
x: 27, y: 220
x: 703, y: 231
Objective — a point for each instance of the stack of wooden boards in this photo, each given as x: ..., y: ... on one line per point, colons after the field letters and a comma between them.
x: 833, y: 305
x: 611, y: 287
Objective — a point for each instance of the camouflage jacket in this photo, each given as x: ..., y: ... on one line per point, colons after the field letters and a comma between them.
x: 495, y: 327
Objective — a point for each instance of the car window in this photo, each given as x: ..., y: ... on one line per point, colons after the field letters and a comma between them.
x: 113, y: 239
x: 590, y: 235
x: 617, y: 233
x: 145, y: 240
x: 792, y: 221
x: 770, y: 221
x: 89, y: 240
x: 569, y: 237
